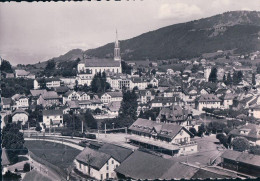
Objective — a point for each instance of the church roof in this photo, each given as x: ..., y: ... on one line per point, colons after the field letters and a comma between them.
x: 97, y: 62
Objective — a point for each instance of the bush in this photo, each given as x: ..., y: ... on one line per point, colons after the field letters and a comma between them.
x: 67, y: 132
x: 26, y: 167
x: 222, y: 139
x: 38, y: 128
x: 240, y: 144
x: 227, y: 130
x: 11, y: 176
x: 255, y: 150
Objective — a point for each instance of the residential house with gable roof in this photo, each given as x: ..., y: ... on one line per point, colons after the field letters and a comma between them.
x: 52, y: 118
x: 209, y: 101
x: 111, y: 97
x: 24, y: 74
x: 48, y: 98
x: 20, y: 115
x: 175, y: 114
x: 171, y: 139
x: 101, y: 163
x: 20, y: 101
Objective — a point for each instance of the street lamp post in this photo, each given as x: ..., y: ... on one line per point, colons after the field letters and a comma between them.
x: 113, y: 125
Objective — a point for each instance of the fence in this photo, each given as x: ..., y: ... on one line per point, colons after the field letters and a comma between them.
x: 56, y: 169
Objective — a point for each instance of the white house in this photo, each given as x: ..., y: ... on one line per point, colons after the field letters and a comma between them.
x: 208, y: 101
x: 96, y: 164
x: 254, y: 111
x: 20, y: 101
x: 111, y: 97
x: 228, y: 100
x: 53, y: 118
x: 19, y: 115
x: 24, y: 74
x: 138, y: 82
x: 53, y: 82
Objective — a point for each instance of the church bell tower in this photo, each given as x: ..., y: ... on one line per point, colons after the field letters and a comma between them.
x: 117, y: 56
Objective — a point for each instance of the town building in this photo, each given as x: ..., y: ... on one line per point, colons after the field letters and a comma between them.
x: 171, y: 139
x: 165, y: 102
x: 19, y: 115
x: 24, y: 74
x: 20, y: 101
x: 241, y: 162
x: 96, y: 164
x: 254, y: 111
x: 48, y: 98
x: 6, y: 104
x: 111, y: 97
x: 87, y: 68
x: 52, y: 118
x: 175, y: 114
x: 209, y: 101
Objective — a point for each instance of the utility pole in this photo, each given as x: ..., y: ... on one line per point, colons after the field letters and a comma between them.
x: 88, y: 165
x: 82, y: 126
x: 105, y: 130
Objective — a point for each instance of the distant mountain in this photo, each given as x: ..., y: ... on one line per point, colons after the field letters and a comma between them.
x: 236, y: 30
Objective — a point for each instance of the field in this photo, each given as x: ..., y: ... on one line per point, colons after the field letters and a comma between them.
x: 57, y: 154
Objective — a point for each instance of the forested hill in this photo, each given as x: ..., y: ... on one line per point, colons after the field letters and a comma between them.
x: 236, y: 30
x: 231, y: 30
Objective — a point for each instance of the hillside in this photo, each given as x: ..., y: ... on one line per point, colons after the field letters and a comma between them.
x: 236, y: 30
x: 232, y: 30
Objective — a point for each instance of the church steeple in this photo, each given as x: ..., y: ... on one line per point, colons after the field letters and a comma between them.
x: 117, y: 56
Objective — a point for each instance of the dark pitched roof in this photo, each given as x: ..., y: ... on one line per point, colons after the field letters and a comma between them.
x: 119, y: 153
x: 52, y: 112
x: 20, y: 111
x: 61, y: 89
x: 165, y: 100
x: 209, y: 98
x: 174, y: 113
x: 115, y: 94
x: 243, y: 157
x: 52, y: 79
x: 50, y: 95
x: 6, y: 101
x: 141, y: 165
x: 95, y: 158
x: 96, y: 62
x: 36, y: 93
x: 163, y: 130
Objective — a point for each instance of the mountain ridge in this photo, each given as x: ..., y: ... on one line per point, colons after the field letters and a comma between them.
x: 231, y: 30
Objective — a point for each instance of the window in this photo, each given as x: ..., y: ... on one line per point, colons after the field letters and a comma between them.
x: 107, y: 175
x: 107, y: 167
x: 112, y: 161
x: 101, y: 176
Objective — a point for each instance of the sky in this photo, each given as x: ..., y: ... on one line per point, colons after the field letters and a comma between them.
x: 38, y: 31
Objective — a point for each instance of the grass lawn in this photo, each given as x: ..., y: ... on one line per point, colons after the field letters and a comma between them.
x: 57, y: 154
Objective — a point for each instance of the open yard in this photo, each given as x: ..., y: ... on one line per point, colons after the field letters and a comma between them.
x: 57, y: 154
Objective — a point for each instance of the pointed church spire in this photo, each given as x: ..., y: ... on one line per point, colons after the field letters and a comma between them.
x: 117, y: 56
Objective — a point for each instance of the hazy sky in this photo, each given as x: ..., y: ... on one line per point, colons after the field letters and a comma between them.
x: 32, y: 32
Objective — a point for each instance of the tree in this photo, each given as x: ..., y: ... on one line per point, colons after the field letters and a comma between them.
x: 237, y: 77
x: 90, y: 121
x: 99, y: 84
x: 126, y: 69
x: 201, y: 130
x: 6, y: 67
x: 213, y: 75
x: 255, y: 150
x: 253, y: 79
x: 193, y: 131
x: 215, y: 126
x: 258, y: 69
x: 224, y: 78
x: 12, y: 141
x: 26, y: 167
x: 240, y: 144
x: 222, y: 139
x: 11, y: 176
x: 128, y: 108
x: 153, y: 71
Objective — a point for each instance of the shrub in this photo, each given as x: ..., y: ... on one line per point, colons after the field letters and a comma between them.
x: 26, y: 167
x: 240, y: 144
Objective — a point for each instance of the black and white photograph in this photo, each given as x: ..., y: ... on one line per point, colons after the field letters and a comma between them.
x: 130, y: 90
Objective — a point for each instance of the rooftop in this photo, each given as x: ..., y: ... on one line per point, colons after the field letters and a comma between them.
x: 96, y: 62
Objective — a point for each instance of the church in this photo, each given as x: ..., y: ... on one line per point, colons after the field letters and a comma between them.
x: 87, y: 68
